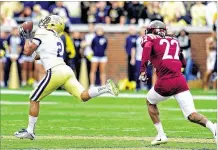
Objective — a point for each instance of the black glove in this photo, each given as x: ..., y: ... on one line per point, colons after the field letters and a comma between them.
x: 25, y: 34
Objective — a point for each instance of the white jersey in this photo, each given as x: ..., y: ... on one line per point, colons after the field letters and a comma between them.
x: 50, y: 48
x: 139, y: 49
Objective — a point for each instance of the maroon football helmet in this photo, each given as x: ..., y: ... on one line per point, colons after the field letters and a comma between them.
x: 156, y: 27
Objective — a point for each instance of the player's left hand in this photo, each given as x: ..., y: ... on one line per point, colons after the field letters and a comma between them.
x: 24, y: 34
x: 143, y: 77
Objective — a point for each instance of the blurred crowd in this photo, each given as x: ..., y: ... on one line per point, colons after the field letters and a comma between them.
x: 173, y: 13
x: 91, y: 48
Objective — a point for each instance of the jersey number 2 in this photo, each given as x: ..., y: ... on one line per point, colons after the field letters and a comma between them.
x: 60, y: 50
x: 168, y: 44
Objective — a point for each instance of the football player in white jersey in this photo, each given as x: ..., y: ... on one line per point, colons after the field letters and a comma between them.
x: 47, y: 46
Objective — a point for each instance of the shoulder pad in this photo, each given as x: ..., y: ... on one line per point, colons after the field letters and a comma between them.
x: 147, y: 37
x: 41, y: 31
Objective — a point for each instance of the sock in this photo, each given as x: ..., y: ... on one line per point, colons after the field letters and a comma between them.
x: 92, y: 85
x: 96, y: 91
x: 31, y: 125
x: 159, y: 128
x: 210, y: 126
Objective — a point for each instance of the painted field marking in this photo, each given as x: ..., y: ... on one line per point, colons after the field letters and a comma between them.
x: 198, y: 110
x: 126, y: 138
x: 3, y: 102
x: 122, y: 95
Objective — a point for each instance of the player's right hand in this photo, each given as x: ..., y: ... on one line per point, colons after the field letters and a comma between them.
x: 24, y: 34
x: 143, y: 77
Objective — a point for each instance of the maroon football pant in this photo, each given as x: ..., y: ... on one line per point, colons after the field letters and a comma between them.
x: 171, y: 86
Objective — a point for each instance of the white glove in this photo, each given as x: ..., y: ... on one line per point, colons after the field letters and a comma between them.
x: 35, y: 55
x: 143, y: 77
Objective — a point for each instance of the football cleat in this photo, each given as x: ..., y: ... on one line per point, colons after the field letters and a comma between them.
x: 215, y: 133
x: 159, y: 140
x: 23, y: 134
x: 112, y: 88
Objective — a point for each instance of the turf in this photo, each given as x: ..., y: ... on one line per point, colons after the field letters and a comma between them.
x: 102, y: 123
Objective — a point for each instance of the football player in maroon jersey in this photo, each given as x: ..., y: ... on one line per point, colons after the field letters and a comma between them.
x: 163, y: 51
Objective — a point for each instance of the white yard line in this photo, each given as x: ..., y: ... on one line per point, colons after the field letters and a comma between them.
x: 3, y: 102
x: 198, y: 110
x: 122, y: 95
x: 126, y: 138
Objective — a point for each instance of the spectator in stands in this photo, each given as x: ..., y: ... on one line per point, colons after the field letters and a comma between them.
x: 59, y: 9
x: 198, y: 13
x: 13, y: 53
x: 130, y: 51
x: 9, y: 8
x: 39, y: 13
x: 185, y: 43
x: 79, y: 53
x: 211, y: 9
x: 84, y: 9
x: 45, y: 4
x: 69, y: 49
x: 172, y: 11
x: 99, y: 59
x: 91, y: 13
x: 26, y: 13
x: 185, y: 46
x: 102, y: 11
x: 153, y: 11
x: 6, y: 21
x: 3, y: 38
x: 86, y: 45
x: 27, y: 69
x: 136, y: 11
x: 74, y: 8
x: 115, y: 14
x: 211, y: 51
x: 29, y: 4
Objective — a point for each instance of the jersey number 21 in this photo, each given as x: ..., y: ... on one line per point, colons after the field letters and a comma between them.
x: 60, y: 49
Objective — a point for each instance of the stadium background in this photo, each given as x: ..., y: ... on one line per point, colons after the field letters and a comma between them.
x: 107, y: 122
x: 79, y: 14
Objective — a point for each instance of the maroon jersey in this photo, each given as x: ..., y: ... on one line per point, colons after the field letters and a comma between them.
x: 163, y: 53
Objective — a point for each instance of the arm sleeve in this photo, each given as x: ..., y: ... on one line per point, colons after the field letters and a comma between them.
x: 146, y: 55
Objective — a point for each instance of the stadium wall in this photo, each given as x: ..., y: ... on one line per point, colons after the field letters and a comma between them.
x: 117, y: 59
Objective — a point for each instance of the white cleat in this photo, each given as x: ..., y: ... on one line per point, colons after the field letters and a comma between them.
x: 112, y: 88
x: 159, y: 140
x: 215, y: 133
x: 23, y: 134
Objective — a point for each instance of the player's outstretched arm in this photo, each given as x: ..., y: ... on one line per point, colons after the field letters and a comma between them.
x: 29, y: 47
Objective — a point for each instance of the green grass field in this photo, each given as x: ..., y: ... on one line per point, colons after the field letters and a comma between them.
x: 103, y: 123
